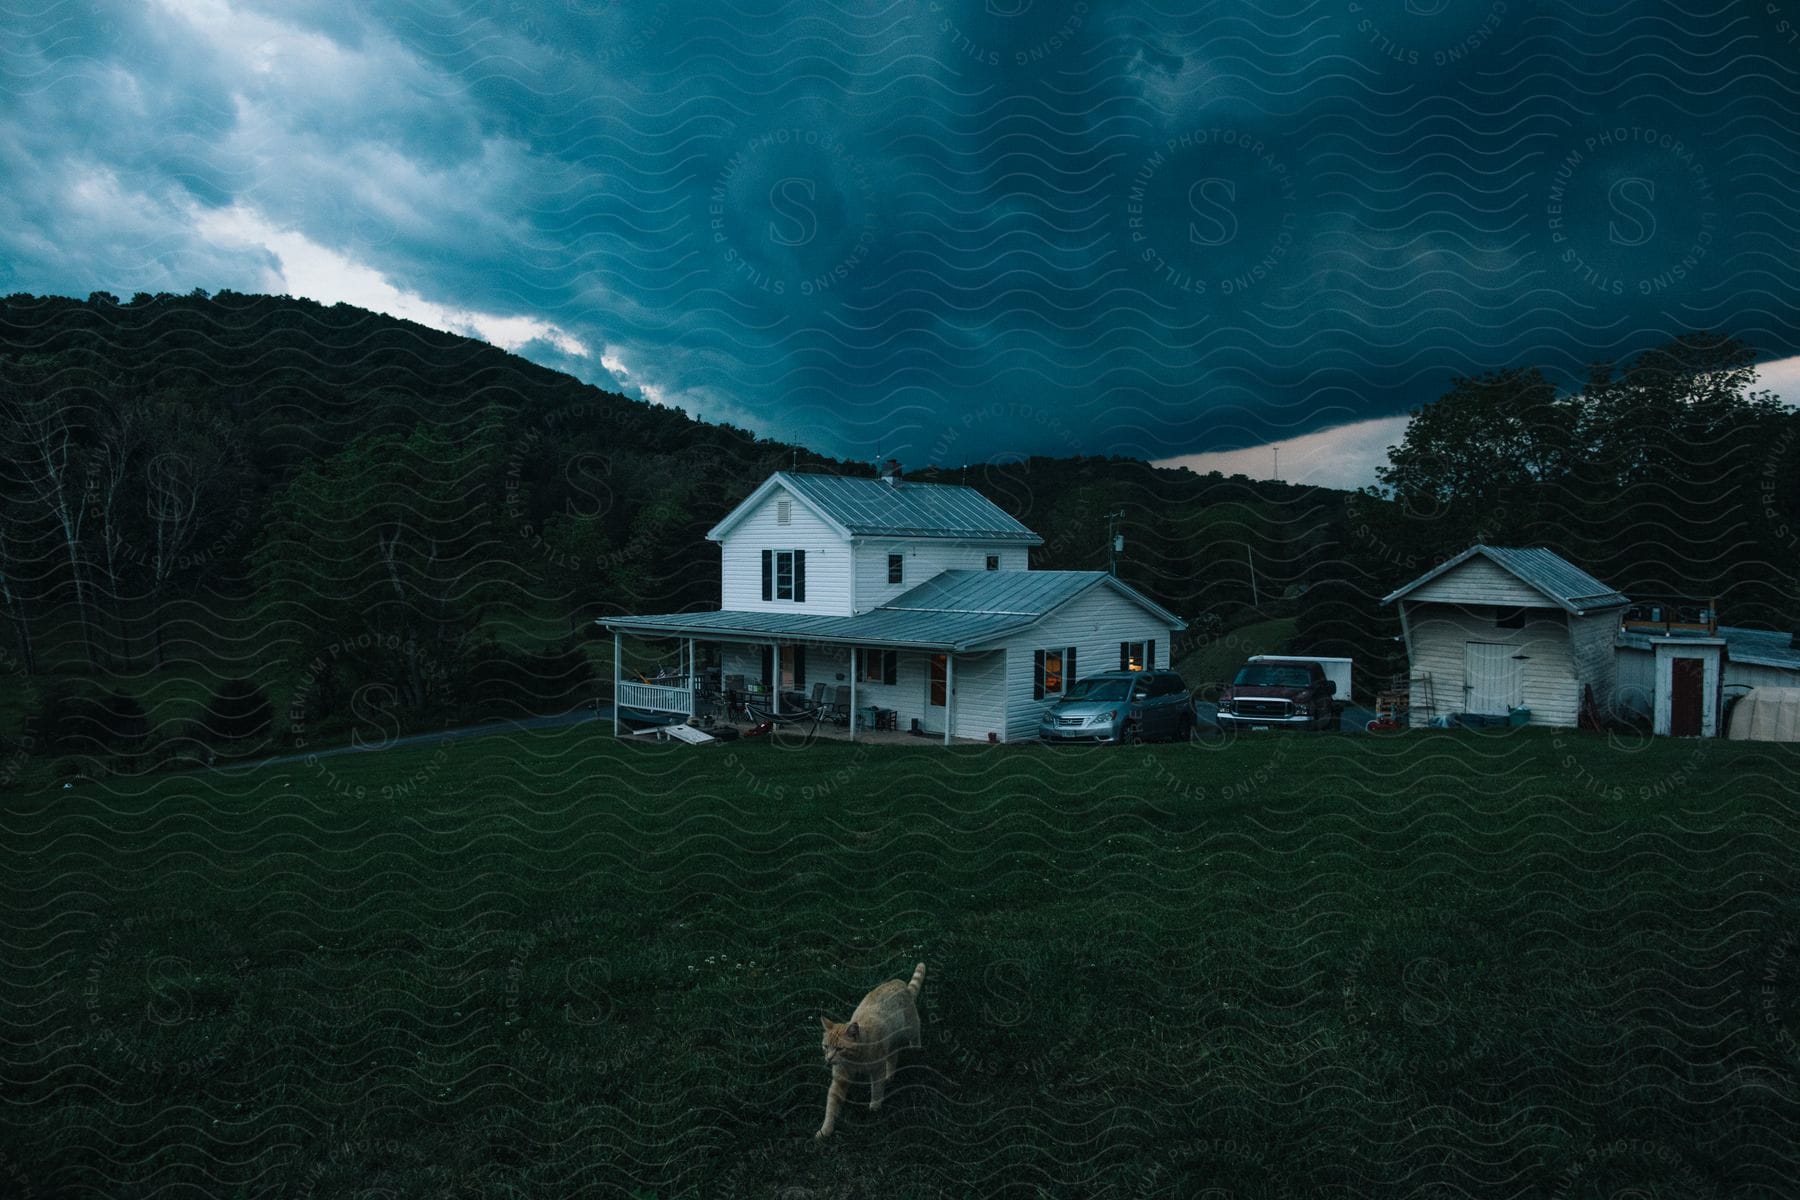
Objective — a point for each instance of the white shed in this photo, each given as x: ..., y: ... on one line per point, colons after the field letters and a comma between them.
x: 1497, y: 629
x: 1740, y: 659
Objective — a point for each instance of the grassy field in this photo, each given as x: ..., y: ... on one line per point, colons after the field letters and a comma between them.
x: 1436, y: 965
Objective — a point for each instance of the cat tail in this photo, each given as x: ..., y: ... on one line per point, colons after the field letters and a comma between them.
x: 918, y: 979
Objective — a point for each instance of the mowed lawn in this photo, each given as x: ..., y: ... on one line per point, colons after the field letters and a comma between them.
x: 1434, y: 965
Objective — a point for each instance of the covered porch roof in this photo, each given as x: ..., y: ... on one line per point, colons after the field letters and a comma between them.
x: 953, y: 610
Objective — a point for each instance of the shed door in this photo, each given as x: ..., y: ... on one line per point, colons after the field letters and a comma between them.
x: 1687, y: 696
x: 1493, y: 678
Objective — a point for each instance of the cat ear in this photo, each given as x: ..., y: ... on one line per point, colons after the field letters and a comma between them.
x: 826, y: 1022
x: 852, y: 1030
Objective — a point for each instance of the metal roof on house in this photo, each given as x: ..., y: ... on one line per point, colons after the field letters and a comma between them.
x: 1560, y: 580
x: 953, y: 610
x: 864, y: 507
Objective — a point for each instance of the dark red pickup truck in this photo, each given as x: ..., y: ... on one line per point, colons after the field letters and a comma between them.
x: 1279, y: 695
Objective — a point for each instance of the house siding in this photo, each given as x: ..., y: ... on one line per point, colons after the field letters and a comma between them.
x: 1594, y: 656
x: 925, y: 557
x: 1479, y: 581
x: 1759, y: 675
x: 1440, y: 632
x: 827, y: 560
x: 1094, y: 624
x: 981, y: 695
x: 1634, y: 681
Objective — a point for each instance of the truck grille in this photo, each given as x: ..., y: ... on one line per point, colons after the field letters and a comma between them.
x: 1262, y: 708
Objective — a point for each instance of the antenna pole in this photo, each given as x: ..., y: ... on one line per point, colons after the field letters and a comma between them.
x: 1112, y: 542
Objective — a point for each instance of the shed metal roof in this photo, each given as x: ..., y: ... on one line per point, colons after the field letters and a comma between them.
x: 1560, y: 580
x: 864, y: 507
x: 953, y: 610
x: 1756, y: 647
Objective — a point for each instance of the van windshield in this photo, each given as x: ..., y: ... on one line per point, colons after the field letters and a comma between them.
x: 1100, y: 689
x: 1269, y: 675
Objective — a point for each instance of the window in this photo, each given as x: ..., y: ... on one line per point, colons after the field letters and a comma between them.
x: 993, y: 562
x: 1137, y: 656
x: 1510, y: 618
x: 793, y: 667
x: 876, y: 666
x: 1052, y: 671
x: 784, y: 575
x: 896, y: 568
x: 784, y: 512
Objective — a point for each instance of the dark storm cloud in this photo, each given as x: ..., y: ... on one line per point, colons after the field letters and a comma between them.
x: 958, y: 230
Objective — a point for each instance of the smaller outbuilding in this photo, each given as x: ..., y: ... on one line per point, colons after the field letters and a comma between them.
x: 1513, y: 633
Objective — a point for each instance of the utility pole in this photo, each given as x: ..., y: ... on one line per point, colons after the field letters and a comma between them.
x: 1277, y: 450
x: 1115, y: 541
x: 1255, y: 600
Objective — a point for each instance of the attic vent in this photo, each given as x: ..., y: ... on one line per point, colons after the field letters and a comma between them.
x: 784, y: 512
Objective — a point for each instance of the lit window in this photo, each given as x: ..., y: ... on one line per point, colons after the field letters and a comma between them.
x: 1131, y: 656
x: 1053, y: 672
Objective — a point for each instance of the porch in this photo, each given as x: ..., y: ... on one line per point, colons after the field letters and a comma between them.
x: 863, y: 687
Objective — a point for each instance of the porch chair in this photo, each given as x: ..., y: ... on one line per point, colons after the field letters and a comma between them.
x: 838, y: 711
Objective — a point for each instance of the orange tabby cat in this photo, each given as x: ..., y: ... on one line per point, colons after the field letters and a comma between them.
x: 869, y: 1043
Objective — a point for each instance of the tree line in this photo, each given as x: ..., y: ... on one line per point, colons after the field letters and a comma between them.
x: 212, y: 482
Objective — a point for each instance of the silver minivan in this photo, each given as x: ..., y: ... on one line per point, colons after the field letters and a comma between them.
x: 1121, y: 707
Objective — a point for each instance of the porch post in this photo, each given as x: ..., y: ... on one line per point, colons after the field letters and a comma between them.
x: 617, y: 641
x: 775, y: 678
x: 853, y: 693
x: 693, y: 677
x: 949, y: 695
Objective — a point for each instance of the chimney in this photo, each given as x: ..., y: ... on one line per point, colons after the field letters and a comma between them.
x: 890, y: 470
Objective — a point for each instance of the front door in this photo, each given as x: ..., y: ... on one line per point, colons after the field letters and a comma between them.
x: 1687, y: 692
x: 1493, y: 678
x: 936, y: 690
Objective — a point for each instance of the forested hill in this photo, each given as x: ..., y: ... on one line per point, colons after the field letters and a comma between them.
x: 227, y: 432
x: 230, y: 519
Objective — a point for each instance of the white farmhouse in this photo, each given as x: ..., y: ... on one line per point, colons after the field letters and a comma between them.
x: 1498, y: 629
x: 917, y: 596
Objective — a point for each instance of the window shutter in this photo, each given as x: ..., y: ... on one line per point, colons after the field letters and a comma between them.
x: 1150, y: 655
x: 1124, y: 656
x: 768, y: 663
x: 1069, y: 675
x: 888, y: 660
x: 1037, y: 674
x: 799, y: 577
x: 799, y: 668
x: 768, y: 574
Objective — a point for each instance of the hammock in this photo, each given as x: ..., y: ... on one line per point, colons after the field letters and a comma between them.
x: 767, y: 716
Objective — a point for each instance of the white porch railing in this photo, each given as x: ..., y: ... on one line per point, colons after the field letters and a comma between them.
x: 654, y: 697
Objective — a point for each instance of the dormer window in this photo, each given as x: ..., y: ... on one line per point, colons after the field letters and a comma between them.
x: 784, y: 512
x: 993, y: 562
x: 896, y: 568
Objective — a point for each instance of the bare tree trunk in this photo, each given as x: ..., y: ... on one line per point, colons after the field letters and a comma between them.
x: 117, y: 453
x: 50, y: 443
x: 173, y: 480
x: 15, y: 605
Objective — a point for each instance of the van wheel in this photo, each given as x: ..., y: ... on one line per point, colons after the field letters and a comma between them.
x: 1128, y: 736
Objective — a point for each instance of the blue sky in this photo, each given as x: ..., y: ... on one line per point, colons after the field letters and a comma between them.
x: 950, y: 230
